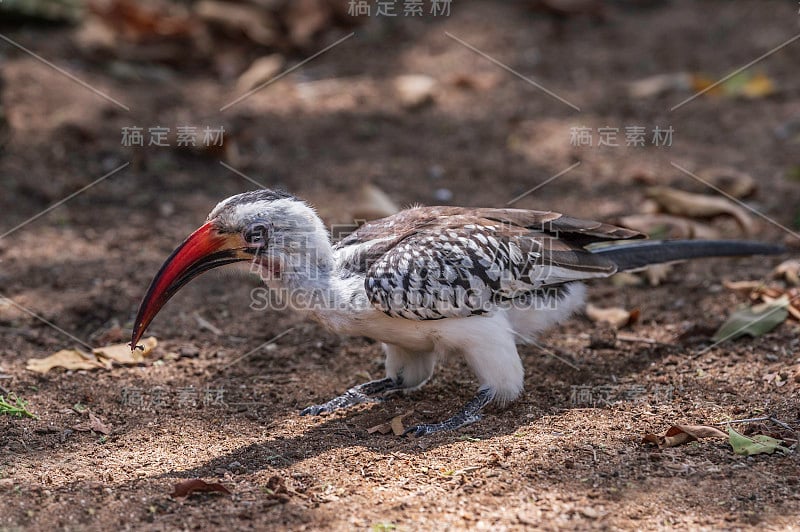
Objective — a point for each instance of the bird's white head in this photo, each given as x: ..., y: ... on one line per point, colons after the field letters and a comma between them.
x: 280, y: 235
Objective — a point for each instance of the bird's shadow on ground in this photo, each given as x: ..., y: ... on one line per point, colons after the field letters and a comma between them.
x: 550, y: 391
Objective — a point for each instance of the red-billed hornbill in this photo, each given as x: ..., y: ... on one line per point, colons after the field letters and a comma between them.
x: 426, y: 282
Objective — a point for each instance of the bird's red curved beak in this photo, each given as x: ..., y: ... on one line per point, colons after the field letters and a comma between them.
x: 203, y: 250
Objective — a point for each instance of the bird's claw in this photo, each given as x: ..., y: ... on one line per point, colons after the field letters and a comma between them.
x: 343, y: 401
x: 316, y: 410
x: 420, y: 430
x: 453, y: 423
x: 363, y: 393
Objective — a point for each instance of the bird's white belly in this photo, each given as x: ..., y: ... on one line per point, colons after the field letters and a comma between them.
x: 372, y: 323
x: 526, y: 322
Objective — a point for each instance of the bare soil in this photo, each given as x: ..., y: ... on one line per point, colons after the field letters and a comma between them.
x: 567, y: 455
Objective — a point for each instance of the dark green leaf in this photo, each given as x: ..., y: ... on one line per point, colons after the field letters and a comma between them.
x: 754, y: 321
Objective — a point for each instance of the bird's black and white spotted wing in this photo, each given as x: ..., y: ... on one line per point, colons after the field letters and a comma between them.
x: 450, y: 262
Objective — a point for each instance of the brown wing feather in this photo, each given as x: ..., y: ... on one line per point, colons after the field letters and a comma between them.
x: 581, y: 232
x: 440, y: 262
x: 379, y: 236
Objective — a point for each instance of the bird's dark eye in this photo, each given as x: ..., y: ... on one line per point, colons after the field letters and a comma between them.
x: 257, y: 234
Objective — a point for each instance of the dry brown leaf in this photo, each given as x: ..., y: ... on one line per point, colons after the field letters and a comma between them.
x: 792, y: 307
x: 260, y: 71
x: 615, y: 316
x: 305, y: 18
x: 67, y: 359
x: 742, y: 286
x: 684, y: 203
x: 187, y: 487
x: 122, y: 354
x: 100, y: 358
x: 253, y: 21
x: 383, y: 428
x: 680, y: 434
x: 668, y: 226
x: 730, y: 180
x: 758, y: 291
x: 789, y: 271
x: 395, y: 425
x: 94, y: 424
x: 768, y: 293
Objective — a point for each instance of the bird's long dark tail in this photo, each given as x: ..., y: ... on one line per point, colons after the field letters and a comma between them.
x: 643, y: 253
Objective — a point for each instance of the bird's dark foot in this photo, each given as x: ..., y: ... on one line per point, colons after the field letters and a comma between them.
x: 349, y: 398
x: 468, y: 415
x: 455, y: 422
x: 363, y: 393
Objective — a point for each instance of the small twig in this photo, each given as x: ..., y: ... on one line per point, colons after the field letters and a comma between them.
x: 781, y: 423
x: 641, y: 339
x: 207, y: 325
x: 748, y: 420
x: 755, y: 419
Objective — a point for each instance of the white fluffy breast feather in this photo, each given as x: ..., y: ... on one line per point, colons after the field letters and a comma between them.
x: 528, y: 323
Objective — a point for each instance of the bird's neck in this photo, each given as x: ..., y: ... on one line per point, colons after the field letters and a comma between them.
x: 306, y: 269
x: 319, y: 291
x: 302, y: 255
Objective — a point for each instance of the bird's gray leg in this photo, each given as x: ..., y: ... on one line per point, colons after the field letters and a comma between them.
x: 469, y: 414
x: 405, y: 370
x: 487, y: 344
x: 356, y: 395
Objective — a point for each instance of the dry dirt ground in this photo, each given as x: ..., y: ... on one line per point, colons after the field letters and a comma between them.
x: 567, y: 455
